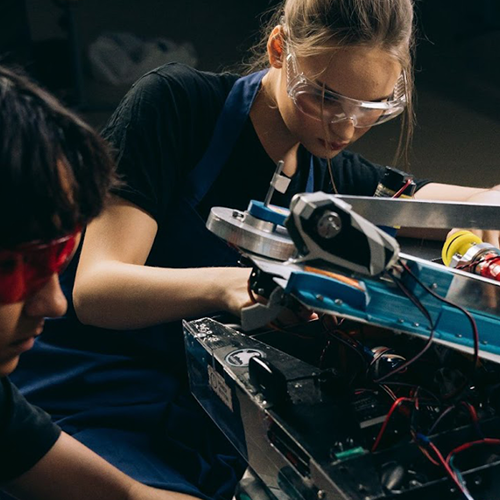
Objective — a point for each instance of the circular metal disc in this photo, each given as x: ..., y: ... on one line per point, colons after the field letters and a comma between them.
x: 251, y: 234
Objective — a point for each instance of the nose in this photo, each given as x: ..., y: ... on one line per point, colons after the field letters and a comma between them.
x: 48, y: 302
x: 344, y: 129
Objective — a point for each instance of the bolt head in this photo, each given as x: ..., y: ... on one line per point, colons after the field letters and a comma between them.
x: 329, y: 225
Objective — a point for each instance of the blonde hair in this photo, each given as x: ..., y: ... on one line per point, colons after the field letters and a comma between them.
x: 316, y: 26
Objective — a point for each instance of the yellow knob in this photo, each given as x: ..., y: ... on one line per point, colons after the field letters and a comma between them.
x: 458, y: 242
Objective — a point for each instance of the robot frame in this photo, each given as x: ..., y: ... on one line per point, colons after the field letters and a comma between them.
x: 393, y: 392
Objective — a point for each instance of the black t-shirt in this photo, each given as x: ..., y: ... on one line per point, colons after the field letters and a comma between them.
x: 164, y: 125
x: 26, y: 432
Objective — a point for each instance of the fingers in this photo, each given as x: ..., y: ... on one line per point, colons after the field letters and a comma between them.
x: 491, y: 237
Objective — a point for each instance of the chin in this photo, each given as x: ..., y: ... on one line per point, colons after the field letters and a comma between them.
x: 321, y: 152
x: 318, y: 147
x: 328, y: 155
x: 7, y: 366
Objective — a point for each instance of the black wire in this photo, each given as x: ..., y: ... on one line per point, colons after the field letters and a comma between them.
x: 469, y: 316
x: 475, y: 333
x: 468, y: 266
x: 415, y: 300
x: 414, y: 386
x: 341, y: 337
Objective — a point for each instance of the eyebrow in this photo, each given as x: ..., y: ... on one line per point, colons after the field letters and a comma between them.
x: 323, y: 84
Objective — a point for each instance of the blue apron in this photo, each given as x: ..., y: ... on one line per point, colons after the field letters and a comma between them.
x: 124, y: 394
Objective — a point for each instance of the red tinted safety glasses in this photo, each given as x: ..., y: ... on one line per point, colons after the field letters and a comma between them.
x: 26, y: 268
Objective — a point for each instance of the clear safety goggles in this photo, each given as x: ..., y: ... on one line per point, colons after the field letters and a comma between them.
x: 330, y: 107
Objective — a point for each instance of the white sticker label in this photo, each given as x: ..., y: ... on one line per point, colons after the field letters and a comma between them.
x: 219, y: 386
x: 242, y: 357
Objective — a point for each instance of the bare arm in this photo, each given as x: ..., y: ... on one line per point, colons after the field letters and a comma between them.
x: 70, y: 470
x: 114, y: 289
x: 448, y: 192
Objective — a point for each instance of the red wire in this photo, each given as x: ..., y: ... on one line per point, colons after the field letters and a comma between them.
x: 426, y: 453
x: 467, y: 446
x: 472, y: 411
x: 402, y: 190
x: 386, y: 421
x: 448, y: 469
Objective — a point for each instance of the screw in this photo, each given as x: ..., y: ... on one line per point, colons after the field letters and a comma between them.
x: 339, y: 446
x: 321, y: 494
x: 459, y: 335
x: 416, y: 325
x: 484, y: 342
x: 338, y: 302
x: 401, y: 320
x: 329, y: 225
x: 434, y: 286
x: 320, y: 297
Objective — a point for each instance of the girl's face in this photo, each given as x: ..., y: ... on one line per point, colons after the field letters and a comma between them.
x: 362, y: 73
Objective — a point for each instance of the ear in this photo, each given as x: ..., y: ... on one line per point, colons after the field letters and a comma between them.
x: 276, y: 48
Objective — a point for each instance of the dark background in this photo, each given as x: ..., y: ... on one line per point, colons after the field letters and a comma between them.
x: 458, y: 67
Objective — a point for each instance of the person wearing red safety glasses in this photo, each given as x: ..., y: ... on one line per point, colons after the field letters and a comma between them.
x: 55, y: 173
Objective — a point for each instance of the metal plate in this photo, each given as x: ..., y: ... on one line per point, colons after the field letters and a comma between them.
x: 424, y: 213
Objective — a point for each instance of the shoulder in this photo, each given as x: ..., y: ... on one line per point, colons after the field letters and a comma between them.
x: 27, y: 432
x: 16, y: 412
x: 181, y: 81
x: 177, y: 73
x: 171, y: 92
x: 6, y: 398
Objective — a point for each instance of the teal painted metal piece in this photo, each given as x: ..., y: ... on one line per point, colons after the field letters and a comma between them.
x: 383, y: 304
x: 276, y: 215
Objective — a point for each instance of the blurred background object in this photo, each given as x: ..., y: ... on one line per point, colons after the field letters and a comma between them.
x: 120, y: 58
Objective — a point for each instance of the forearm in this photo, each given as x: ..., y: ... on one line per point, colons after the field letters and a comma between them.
x: 117, y: 295
x: 142, y: 492
x: 449, y: 192
x: 70, y: 470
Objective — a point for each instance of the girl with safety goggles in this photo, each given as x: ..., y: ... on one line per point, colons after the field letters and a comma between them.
x: 339, y: 68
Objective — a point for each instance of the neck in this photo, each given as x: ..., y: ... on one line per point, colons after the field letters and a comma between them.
x: 268, y: 123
